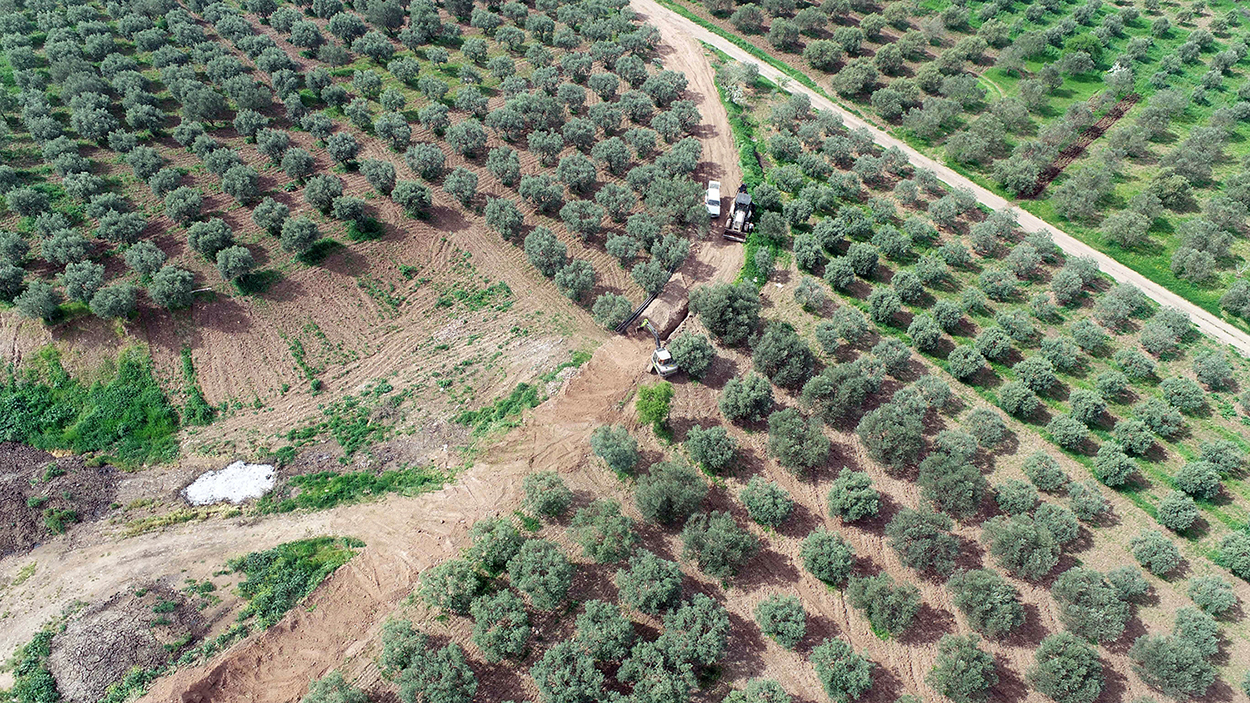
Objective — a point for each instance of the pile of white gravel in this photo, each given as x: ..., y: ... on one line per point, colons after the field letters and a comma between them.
x: 236, y: 483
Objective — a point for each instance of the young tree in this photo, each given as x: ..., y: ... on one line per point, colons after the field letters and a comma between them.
x: 846, y: 676
x: 450, y: 586
x: 782, y: 618
x: 616, y: 447
x: 922, y: 540
x: 963, y: 672
x: 546, y: 495
x: 604, y: 631
x: 605, y: 534
x: 545, y: 252
x: 332, y: 688
x: 575, y: 279
x: 235, y: 262
x: 766, y: 502
x: 890, y: 608
x: 718, y: 544
x: 501, y: 627
x: 542, y: 572
x: 893, y: 434
x: 670, y: 493
x: 494, y: 542
x: 712, y: 448
x: 989, y: 602
x: 852, y: 497
x: 827, y: 556
x: 1200, y: 479
x: 1067, y: 669
x: 649, y: 584
x: 653, y: 403
x: 171, y: 287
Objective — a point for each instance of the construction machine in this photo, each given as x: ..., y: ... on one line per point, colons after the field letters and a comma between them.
x: 661, y: 360
x: 739, y: 224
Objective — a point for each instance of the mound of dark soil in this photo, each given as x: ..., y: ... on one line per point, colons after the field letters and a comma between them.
x: 41, y: 495
x: 133, y: 629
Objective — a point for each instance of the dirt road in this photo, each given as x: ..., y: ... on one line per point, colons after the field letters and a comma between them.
x: 1208, y: 323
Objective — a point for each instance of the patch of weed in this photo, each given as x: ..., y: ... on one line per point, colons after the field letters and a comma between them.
x: 277, y: 579
x: 327, y: 489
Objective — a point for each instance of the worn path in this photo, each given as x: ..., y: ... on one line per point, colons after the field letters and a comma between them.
x: 1208, y: 323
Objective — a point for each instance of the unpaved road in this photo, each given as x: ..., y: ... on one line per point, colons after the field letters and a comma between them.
x: 1208, y: 323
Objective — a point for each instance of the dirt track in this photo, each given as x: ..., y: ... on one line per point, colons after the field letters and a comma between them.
x: 403, y: 536
x: 1208, y: 323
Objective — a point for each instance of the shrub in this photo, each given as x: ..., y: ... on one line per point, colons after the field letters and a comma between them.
x: 575, y: 279
x: 114, y: 301
x: 890, y: 608
x: 696, y: 631
x: 852, y: 497
x: 566, y: 674
x: 1021, y: 546
x: 1235, y: 554
x: 711, y: 448
x: 798, y: 443
x: 989, y: 602
x: 1199, y: 629
x: 1043, y: 470
x: 759, y: 691
x: 604, y: 533
x: 649, y: 584
x: 670, y: 493
x: 766, y: 502
x: 1199, y: 479
x: 653, y: 403
x: 748, y: 398
x: 716, y: 542
x: 1060, y: 522
x: 494, y: 542
x: 1213, y: 594
x: 1016, y: 497
x: 782, y: 618
x: 1087, y: 501
x: 1068, y: 432
x: 617, y: 448
x: 1112, y: 466
x: 604, y: 631
x: 542, y: 572
x: 963, y: 672
x: 1155, y: 552
x: 1161, y: 418
x: 546, y: 495
x: 693, y: 353
x: 1171, y: 665
x: 827, y: 556
x: 1067, y: 669
x: 1018, y: 399
x: 501, y: 627
x: 1177, y: 511
x: 845, y: 675
x: 299, y: 234
x: 1183, y: 394
x: 332, y: 688
x: 450, y: 586
x: 235, y: 262
x: 923, y: 541
x: 1089, y: 606
x: 1128, y: 582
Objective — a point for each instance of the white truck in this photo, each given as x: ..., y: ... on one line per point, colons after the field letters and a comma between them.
x: 713, y: 199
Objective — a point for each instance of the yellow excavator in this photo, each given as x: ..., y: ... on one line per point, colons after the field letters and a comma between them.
x: 662, y: 361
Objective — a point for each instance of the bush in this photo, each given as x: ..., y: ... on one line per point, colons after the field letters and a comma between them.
x: 575, y: 279
x: 766, y: 502
x: 890, y: 608
x: 1089, y: 605
x: 749, y: 398
x: 1177, y: 511
x: 1018, y: 399
x: 716, y: 542
x: 987, y: 426
x: 782, y: 618
x: 670, y: 493
x: 617, y: 448
x: 1161, y: 418
x: 1067, y: 669
x: 233, y: 263
x: 827, y: 556
x: 332, y: 688
x: 852, y: 497
x: 923, y: 541
x: 116, y: 301
x: 1022, y: 547
x: 693, y: 353
x: 1087, y: 501
x: 1171, y: 665
x: 1068, y: 432
x: 846, y: 676
x: 649, y: 584
x: 1200, y: 479
x: 989, y: 602
x: 695, y: 632
x: 299, y: 234
x: 729, y: 311
x: 1213, y: 594
x: 964, y: 362
x: 604, y: 533
x: 1235, y: 554
x: 494, y: 542
x: 759, y: 691
x: 546, y: 495
x: 1183, y: 394
x: 501, y: 627
x: 653, y: 403
x: 450, y: 586
x: 963, y: 672
x: 1016, y: 497
x: 1155, y: 552
x: 542, y: 572
x: 798, y: 443
x: 1128, y: 582
x: 711, y: 448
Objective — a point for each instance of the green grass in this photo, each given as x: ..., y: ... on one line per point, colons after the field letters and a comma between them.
x: 278, y: 579
x: 327, y: 489
x: 351, y: 421
x: 127, y: 415
x: 504, y: 413
x: 197, y: 411
x: 32, y: 681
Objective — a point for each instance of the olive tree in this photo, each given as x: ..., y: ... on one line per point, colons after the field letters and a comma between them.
x: 766, y: 502
x: 988, y: 601
x: 1066, y: 669
x: 546, y: 494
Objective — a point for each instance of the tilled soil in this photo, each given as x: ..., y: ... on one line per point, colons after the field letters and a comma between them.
x: 32, y: 484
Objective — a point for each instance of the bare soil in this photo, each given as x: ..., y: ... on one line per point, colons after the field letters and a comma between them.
x: 34, y: 481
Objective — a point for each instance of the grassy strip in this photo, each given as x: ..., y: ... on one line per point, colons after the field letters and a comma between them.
x: 505, y: 413
x: 327, y: 489
x: 277, y: 579
x: 127, y: 415
x: 197, y: 411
